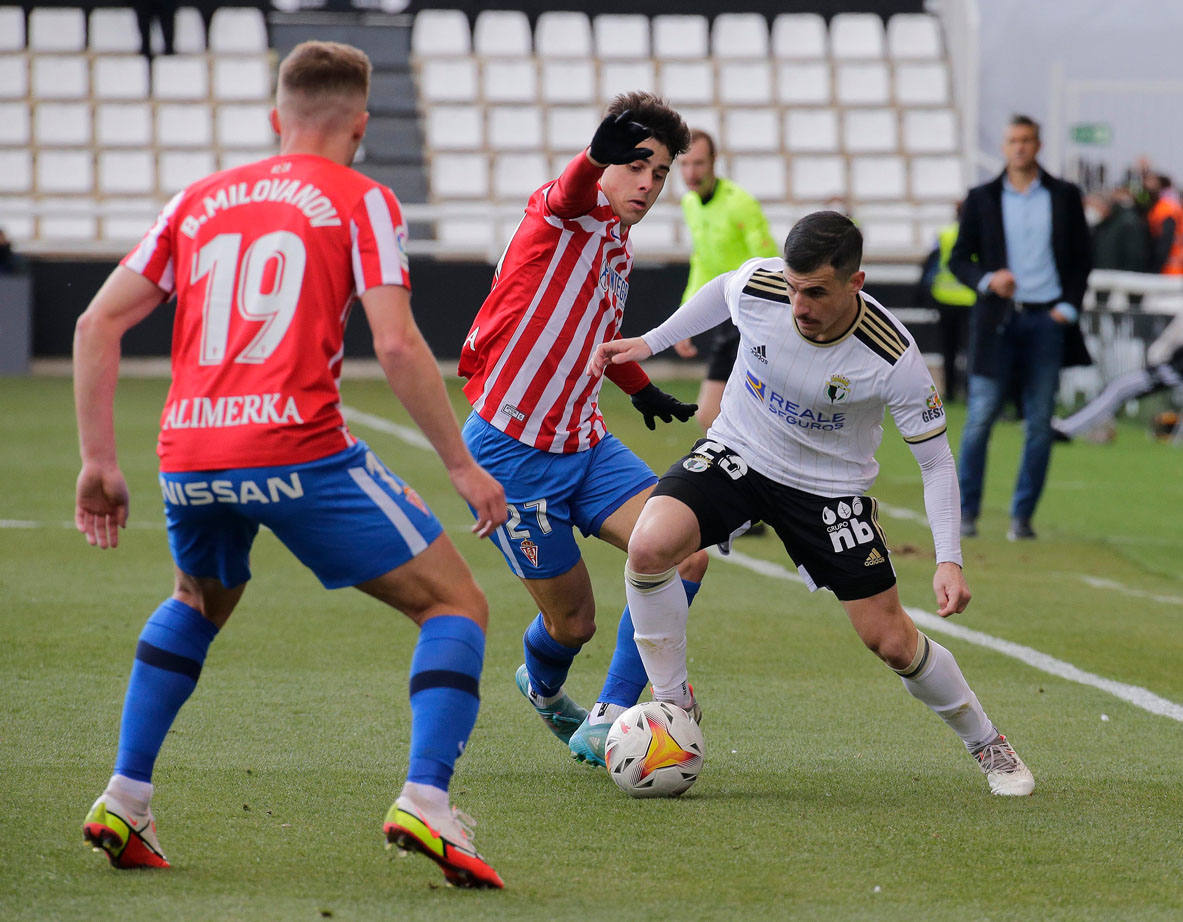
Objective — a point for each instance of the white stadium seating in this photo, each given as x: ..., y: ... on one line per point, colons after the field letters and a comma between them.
x: 800, y: 36
x: 621, y: 35
x: 563, y: 35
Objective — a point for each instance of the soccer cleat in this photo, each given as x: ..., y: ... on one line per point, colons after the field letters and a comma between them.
x: 444, y: 838
x: 561, y: 716
x: 128, y: 842
x: 587, y: 742
x: 1004, y: 770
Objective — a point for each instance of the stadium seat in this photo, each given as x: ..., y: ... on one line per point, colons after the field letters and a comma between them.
x: 461, y: 233
x: 937, y: 178
x: 64, y: 171
x: 921, y: 84
x: 813, y: 130
x: 878, y: 178
x: 12, y: 28
x: 502, y: 34
x: 745, y: 83
x: 621, y: 35
x: 704, y: 118
x: 127, y: 218
x: 885, y: 234
x: 14, y: 124
x: 656, y: 233
x: 245, y: 77
x: 739, y: 35
x: 516, y: 176
x: 558, y: 163
x: 570, y: 128
x: 62, y: 124
x: 751, y: 130
x: 180, y: 77
x: 123, y: 124
x: 861, y: 83
x: 244, y: 126
x: 567, y: 81
x: 437, y: 33
x: 509, y: 80
x: 460, y: 176
x: 763, y: 175
x: 856, y: 35
x: 14, y: 76
x: 127, y: 172
x: 237, y: 30
x: 228, y: 159
x: 19, y: 223
x: 867, y: 131
x: 60, y: 76
x: 561, y: 34
x: 448, y: 80
x: 816, y: 178
x: 58, y: 29
x: 65, y: 219
x: 913, y: 36
x: 680, y: 37
x: 803, y: 83
x: 178, y: 168
x: 120, y: 77
x: 798, y: 36
x: 687, y: 82
x: 188, y: 31
x: 16, y: 171
x: 515, y: 128
x: 114, y: 29
x: 454, y: 127
x: 930, y: 131
x: 184, y: 125
x: 620, y: 76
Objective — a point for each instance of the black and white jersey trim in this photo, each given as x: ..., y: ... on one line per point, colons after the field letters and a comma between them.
x: 877, y: 332
x: 771, y: 286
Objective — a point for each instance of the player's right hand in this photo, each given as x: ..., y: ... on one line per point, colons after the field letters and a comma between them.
x: 101, y: 504
x: 484, y: 494
x: 616, y: 140
x: 617, y: 352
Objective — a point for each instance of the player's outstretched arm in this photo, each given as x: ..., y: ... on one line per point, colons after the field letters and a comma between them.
x: 617, y: 352
x: 101, y: 496
x: 415, y: 379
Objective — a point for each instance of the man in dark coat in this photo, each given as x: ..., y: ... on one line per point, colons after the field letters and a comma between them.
x: 1023, y: 245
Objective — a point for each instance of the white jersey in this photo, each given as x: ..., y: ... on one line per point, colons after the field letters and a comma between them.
x: 808, y: 414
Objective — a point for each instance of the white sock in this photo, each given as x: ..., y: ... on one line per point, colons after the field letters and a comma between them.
x: 935, y: 678
x: 603, y: 712
x: 427, y: 796
x: 135, y: 795
x: 659, y: 609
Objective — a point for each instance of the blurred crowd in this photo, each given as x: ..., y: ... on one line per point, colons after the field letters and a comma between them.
x: 1138, y: 225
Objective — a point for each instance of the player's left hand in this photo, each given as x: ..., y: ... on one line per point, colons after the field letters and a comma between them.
x: 654, y: 403
x: 101, y: 504
x: 616, y: 140
x: 952, y: 591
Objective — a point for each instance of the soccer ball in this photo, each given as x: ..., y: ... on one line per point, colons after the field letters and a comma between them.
x: 654, y: 749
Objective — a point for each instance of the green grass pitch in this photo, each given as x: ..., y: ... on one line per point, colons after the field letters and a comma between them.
x: 829, y: 793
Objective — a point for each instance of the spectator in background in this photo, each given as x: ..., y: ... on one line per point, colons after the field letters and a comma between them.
x: 941, y: 289
x: 1023, y: 244
x: 1166, y: 225
x: 1121, y: 239
x: 728, y: 228
x: 162, y: 11
x: 10, y: 261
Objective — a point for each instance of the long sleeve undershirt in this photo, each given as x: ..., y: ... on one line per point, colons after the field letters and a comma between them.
x: 942, y: 499
x: 706, y: 308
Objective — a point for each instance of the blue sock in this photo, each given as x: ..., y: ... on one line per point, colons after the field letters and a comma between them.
x: 547, y: 660
x: 626, y: 673
x: 445, y: 695
x: 168, y: 662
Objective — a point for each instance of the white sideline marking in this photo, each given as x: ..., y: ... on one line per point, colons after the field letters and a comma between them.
x: 1134, y: 694
x: 406, y: 433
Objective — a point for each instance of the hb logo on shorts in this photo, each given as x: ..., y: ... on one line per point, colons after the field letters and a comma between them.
x: 846, y: 531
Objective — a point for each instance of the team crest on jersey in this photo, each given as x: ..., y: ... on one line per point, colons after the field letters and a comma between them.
x: 696, y: 464
x: 415, y: 500
x: 838, y: 388
x: 530, y: 549
x: 933, y: 401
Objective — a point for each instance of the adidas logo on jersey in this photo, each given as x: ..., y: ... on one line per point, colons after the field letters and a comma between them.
x: 760, y: 353
x: 873, y: 558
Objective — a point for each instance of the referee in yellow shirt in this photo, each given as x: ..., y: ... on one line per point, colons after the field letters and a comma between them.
x: 728, y: 228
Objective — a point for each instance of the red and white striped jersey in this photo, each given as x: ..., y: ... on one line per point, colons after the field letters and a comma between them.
x: 559, y: 292
x: 265, y: 260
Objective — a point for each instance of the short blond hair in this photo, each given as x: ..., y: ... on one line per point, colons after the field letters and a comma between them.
x: 318, y: 79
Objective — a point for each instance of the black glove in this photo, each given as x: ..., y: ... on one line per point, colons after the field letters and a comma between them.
x: 616, y: 140
x: 653, y: 403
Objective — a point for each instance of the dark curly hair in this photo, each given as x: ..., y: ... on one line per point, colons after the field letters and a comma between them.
x: 664, y: 124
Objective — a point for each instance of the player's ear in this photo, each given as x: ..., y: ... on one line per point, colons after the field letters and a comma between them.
x: 359, y: 126
x: 274, y: 119
x: 856, y: 280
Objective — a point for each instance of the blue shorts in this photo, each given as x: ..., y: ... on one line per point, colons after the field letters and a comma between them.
x: 549, y: 494
x: 346, y: 517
